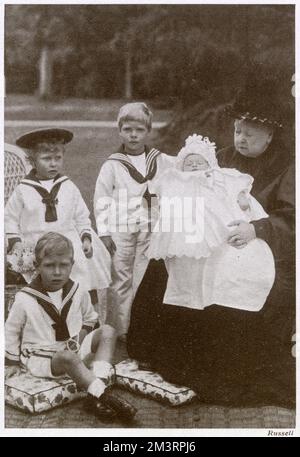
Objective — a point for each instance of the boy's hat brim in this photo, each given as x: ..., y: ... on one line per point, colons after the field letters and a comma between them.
x: 31, y: 139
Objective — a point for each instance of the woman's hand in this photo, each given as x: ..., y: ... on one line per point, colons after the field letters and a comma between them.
x: 241, y: 236
x: 109, y: 244
x: 87, y: 248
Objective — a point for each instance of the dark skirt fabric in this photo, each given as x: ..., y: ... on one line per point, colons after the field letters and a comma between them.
x: 228, y: 356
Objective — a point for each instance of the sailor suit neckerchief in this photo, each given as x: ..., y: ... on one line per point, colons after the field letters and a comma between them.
x: 36, y: 289
x: 48, y: 198
x: 151, y: 168
x: 151, y: 165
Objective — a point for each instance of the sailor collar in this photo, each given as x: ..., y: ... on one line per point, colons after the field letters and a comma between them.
x: 151, y: 164
x: 36, y: 289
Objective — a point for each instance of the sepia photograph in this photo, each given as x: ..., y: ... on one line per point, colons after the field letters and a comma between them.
x: 149, y: 217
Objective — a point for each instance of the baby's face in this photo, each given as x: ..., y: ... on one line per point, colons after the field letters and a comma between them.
x: 195, y: 162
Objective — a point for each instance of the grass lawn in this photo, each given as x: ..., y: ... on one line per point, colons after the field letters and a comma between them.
x: 29, y: 107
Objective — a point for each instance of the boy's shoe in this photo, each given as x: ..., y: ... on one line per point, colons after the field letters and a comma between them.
x: 123, y: 409
x: 102, y: 411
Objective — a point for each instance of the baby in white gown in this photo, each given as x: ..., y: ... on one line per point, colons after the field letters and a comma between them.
x: 198, y: 200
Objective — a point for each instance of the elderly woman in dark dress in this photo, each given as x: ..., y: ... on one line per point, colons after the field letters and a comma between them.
x: 231, y: 356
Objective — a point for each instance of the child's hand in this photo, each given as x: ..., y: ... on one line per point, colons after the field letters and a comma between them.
x: 73, y: 344
x: 82, y: 334
x: 243, y: 233
x: 87, y: 248
x: 109, y: 244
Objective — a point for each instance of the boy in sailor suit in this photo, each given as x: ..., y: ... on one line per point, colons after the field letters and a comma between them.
x: 45, y: 200
x: 49, y: 330
x: 122, y: 206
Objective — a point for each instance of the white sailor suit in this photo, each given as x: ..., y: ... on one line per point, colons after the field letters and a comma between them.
x: 124, y: 210
x: 32, y: 211
x: 35, y: 329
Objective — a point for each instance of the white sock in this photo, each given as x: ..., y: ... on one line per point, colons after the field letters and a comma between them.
x: 102, y: 369
x: 96, y: 388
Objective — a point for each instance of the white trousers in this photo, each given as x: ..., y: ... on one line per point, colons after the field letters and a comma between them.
x: 129, y: 264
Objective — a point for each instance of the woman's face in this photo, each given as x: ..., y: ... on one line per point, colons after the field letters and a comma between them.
x: 250, y: 139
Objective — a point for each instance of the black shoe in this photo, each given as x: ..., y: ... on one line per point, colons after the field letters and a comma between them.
x: 123, y: 409
x: 102, y: 411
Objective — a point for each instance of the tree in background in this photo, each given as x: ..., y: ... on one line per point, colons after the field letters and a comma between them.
x: 200, y: 60
x: 190, y: 57
x: 69, y: 49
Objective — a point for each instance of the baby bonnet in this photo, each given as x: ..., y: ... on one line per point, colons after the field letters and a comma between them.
x: 197, y: 144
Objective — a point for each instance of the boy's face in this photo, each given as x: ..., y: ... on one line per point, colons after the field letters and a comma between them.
x: 251, y: 139
x: 48, y: 160
x: 134, y: 136
x: 55, y: 270
x: 195, y: 162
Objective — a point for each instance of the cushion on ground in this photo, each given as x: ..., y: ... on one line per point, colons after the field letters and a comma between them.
x: 151, y: 384
x: 35, y: 395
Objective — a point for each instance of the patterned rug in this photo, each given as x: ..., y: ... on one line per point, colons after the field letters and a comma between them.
x: 152, y: 414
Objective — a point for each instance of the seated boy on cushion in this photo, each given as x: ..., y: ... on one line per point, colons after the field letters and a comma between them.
x: 49, y: 330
